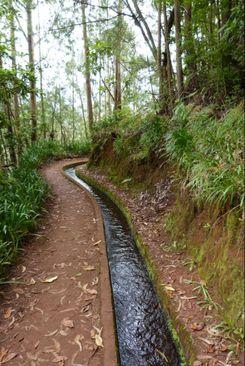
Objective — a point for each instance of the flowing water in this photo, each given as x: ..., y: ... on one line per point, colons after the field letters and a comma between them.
x: 143, y: 335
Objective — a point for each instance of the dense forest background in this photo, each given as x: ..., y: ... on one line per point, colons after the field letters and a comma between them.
x: 67, y: 65
x: 143, y: 86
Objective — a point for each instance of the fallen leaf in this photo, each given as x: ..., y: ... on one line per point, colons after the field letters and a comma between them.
x: 95, y: 281
x: 169, y: 288
x: 197, y: 326
x: 63, y: 333
x: 50, y: 279
x: 7, y: 313
x: 77, y: 341
x: 88, y: 268
x: 67, y: 323
x: 23, y: 269
x: 36, y: 344
x: 50, y: 334
x: 98, y: 340
x: 85, y: 308
x: 53, y: 349
x: 58, y: 359
x: 96, y: 336
x: 88, y: 291
x: 97, y: 242
x: 3, y: 352
x: 32, y: 282
x: 8, y: 357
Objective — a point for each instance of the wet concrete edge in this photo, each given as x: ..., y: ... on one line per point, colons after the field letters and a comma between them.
x: 107, y: 312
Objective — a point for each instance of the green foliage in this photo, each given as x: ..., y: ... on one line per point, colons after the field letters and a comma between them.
x: 22, y: 194
x: 210, y: 152
x: 207, y: 149
x: 136, y: 137
x: 78, y: 147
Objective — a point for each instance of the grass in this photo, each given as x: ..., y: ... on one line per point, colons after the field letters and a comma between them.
x: 210, y: 153
x: 208, y: 150
x: 22, y: 193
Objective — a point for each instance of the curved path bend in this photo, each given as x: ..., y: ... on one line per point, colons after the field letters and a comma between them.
x: 58, y: 310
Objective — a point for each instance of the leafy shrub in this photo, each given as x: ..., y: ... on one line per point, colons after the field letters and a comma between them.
x: 210, y: 151
x: 207, y: 149
x: 22, y: 194
x: 78, y: 147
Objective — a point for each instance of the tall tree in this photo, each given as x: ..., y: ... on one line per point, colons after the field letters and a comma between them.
x: 178, y: 38
x: 118, y: 82
x: 33, y: 103
x: 43, y: 112
x: 87, y: 68
x: 14, y: 68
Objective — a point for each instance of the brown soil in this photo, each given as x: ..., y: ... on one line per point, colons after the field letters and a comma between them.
x: 211, y: 346
x: 56, y: 312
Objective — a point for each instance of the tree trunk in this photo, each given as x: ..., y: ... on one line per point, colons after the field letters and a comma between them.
x: 43, y: 112
x: 33, y: 104
x: 73, y: 108
x: 160, y: 64
x: 14, y: 68
x: 10, y: 131
x: 190, y: 50
x: 118, y: 82
x: 167, y: 30
x: 179, y: 70
x: 87, y: 70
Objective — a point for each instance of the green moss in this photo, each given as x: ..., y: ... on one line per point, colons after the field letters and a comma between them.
x: 181, y: 337
x: 215, y: 243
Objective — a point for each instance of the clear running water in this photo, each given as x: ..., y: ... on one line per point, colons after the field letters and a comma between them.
x: 143, y: 335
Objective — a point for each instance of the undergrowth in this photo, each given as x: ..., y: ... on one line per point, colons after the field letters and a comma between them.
x: 22, y: 193
x: 207, y: 150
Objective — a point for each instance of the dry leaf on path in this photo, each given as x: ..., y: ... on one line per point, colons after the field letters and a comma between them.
x: 58, y: 359
x: 96, y: 336
x: 197, y: 326
x: 97, y: 242
x: 50, y: 279
x: 95, y: 281
x: 9, y: 357
x: 53, y: 349
x: 88, y: 267
x: 3, y: 352
x: 98, y: 340
x: 7, y: 313
x: 51, y: 333
x: 88, y: 291
x: 68, y: 323
x: 77, y: 341
x: 32, y: 282
x: 169, y: 288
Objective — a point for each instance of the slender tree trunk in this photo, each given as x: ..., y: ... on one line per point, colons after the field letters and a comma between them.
x: 161, y: 66
x: 14, y: 67
x: 43, y: 112
x: 118, y: 81
x: 87, y: 69
x: 73, y: 108
x: 10, y: 131
x: 33, y: 104
x: 167, y: 30
x: 179, y: 70
x: 62, y: 135
x: 190, y: 50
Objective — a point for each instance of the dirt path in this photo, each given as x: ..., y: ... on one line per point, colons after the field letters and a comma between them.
x: 60, y: 314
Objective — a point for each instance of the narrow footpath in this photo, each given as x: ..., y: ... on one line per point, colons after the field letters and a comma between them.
x: 57, y: 310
